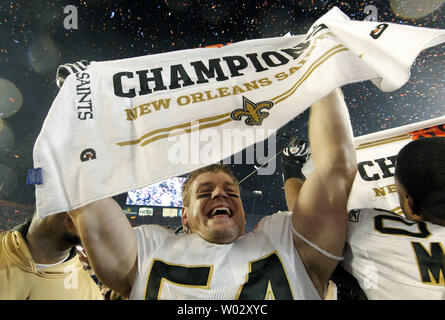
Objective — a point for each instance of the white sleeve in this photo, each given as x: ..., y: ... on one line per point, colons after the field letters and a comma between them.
x: 149, y: 238
x: 282, y: 221
x: 277, y: 228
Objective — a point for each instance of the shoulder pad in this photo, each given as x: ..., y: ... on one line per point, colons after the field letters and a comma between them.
x: 387, y: 211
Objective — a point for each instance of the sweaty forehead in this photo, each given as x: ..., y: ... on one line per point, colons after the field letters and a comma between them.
x: 211, y: 179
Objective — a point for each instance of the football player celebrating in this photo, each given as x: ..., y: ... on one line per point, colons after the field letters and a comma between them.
x: 288, y: 256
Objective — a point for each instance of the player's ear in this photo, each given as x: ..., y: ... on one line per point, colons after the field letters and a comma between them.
x: 184, y: 217
x: 411, y: 206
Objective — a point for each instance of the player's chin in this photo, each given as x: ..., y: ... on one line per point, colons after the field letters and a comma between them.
x: 224, y: 233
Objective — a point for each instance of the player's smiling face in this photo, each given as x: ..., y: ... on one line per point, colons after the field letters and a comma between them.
x: 215, y: 210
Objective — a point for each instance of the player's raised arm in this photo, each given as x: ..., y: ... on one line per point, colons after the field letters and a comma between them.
x: 320, y: 211
x: 110, y: 243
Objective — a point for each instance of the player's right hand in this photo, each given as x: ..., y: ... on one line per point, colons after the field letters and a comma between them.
x: 64, y: 70
x: 293, y: 157
x: 297, y: 151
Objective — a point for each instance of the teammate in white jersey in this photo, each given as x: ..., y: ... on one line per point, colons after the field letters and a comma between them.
x: 288, y: 256
x: 403, y: 258
x: 392, y: 257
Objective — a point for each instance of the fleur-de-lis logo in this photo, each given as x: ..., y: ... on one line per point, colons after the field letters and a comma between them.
x: 252, y: 111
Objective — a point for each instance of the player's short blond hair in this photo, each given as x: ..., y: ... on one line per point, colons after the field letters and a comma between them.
x: 211, y: 168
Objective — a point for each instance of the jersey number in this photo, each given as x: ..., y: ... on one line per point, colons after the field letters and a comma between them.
x: 266, y: 279
x: 431, y: 264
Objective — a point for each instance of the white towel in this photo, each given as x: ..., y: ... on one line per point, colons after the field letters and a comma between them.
x: 124, y: 124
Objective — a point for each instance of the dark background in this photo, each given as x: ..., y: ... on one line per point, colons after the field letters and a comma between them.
x: 33, y: 42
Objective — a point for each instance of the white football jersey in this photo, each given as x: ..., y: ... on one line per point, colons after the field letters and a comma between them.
x: 262, y: 264
x: 395, y: 258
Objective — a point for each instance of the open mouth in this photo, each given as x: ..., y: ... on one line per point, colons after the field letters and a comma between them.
x: 220, y: 212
